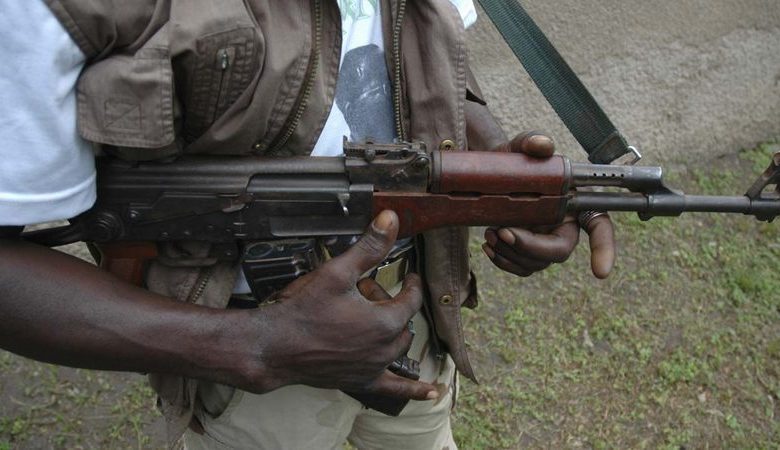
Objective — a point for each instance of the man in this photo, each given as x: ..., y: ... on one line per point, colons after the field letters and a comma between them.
x: 158, y: 78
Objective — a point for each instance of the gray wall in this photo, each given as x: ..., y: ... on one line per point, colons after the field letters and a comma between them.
x: 679, y: 78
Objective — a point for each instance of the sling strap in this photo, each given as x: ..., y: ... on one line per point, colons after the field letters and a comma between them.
x: 570, y: 99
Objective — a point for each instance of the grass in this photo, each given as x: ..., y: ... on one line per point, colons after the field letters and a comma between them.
x: 679, y: 348
x: 51, y: 407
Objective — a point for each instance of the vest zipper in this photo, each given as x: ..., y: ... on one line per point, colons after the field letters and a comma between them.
x: 397, y: 95
x: 200, y: 284
x: 223, y: 64
x: 311, y: 74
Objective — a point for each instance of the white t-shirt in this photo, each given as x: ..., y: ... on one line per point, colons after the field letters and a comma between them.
x: 363, y: 105
x: 47, y: 171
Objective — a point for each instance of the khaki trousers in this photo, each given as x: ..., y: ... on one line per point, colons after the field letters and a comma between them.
x: 302, y: 418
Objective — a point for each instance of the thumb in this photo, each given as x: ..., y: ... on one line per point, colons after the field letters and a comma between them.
x: 531, y: 143
x: 372, y: 248
x: 392, y: 385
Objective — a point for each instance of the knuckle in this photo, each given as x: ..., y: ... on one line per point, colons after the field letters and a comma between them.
x: 372, y: 244
x: 384, y: 327
x: 340, y: 278
x: 413, y: 281
x: 393, y: 326
x: 412, y: 289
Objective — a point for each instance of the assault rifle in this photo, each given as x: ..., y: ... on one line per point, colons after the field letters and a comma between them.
x: 233, y: 201
x: 241, y: 204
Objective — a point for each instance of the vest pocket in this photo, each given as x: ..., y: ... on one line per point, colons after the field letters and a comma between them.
x: 221, y: 69
x: 127, y: 100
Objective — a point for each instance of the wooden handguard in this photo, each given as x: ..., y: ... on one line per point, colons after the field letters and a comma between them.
x: 498, y: 173
x: 127, y: 260
x: 483, y: 188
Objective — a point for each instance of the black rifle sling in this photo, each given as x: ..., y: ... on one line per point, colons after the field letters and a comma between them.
x: 557, y: 81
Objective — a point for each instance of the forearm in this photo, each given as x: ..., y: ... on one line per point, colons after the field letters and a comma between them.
x: 482, y: 129
x: 58, y: 309
x: 321, y: 330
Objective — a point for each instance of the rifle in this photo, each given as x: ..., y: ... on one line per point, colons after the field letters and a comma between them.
x: 229, y: 201
x: 234, y: 202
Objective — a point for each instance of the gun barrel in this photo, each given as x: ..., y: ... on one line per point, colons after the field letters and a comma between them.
x: 672, y: 204
x: 633, y: 178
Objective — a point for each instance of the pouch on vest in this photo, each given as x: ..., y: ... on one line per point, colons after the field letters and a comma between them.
x: 127, y: 102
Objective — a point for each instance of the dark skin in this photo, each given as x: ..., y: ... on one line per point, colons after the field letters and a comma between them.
x: 521, y: 251
x: 325, y: 330
x: 328, y: 329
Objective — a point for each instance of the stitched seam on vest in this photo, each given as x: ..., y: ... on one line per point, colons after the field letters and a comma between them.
x: 460, y: 74
x: 162, y: 110
x: 455, y: 257
x: 330, y: 91
x: 67, y: 21
x: 461, y: 79
x: 289, y: 92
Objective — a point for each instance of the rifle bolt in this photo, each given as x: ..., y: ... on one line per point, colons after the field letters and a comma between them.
x: 421, y: 162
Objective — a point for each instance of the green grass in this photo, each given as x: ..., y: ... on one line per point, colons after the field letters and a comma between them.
x: 50, y: 407
x: 679, y: 348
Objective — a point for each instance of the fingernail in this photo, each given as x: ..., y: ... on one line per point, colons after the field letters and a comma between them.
x: 432, y: 395
x: 506, y: 236
x: 383, y: 221
x: 488, y: 251
x: 541, y: 141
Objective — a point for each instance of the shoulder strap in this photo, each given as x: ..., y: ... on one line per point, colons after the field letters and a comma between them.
x: 557, y: 81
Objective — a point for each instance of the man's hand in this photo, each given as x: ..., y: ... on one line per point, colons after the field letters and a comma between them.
x: 526, y: 251
x: 326, y: 329
x: 339, y: 330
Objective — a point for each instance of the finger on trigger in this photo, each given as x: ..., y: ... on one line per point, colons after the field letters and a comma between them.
x: 601, y: 235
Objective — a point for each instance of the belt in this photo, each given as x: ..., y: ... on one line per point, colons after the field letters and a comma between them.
x: 393, y: 269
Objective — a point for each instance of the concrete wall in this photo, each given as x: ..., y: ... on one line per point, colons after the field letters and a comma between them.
x: 679, y: 78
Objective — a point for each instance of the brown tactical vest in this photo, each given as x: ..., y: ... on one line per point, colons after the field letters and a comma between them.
x: 238, y: 77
